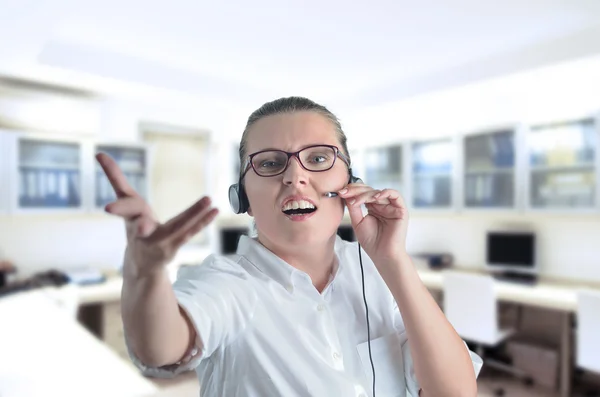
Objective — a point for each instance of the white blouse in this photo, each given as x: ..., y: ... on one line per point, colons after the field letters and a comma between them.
x: 267, y: 331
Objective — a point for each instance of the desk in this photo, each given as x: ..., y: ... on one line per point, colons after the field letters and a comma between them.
x: 547, y: 295
x: 544, y: 294
x: 108, y: 291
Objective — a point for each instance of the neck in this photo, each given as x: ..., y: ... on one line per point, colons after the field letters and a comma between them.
x: 317, y: 262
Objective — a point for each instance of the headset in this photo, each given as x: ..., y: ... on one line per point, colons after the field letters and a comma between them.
x: 240, y: 204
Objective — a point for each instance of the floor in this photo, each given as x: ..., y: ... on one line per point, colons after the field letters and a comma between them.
x: 187, y: 386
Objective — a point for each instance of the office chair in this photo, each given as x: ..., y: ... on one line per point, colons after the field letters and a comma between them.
x: 471, y: 307
x: 588, y: 331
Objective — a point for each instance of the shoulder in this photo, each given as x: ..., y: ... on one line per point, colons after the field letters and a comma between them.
x: 213, y: 267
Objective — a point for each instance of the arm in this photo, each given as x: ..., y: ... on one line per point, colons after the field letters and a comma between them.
x: 158, y: 332
x: 442, y: 363
x: 156, y: 329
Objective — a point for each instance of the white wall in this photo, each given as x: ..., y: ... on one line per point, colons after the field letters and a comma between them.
x: 38, y: 242
x: 569, y: 243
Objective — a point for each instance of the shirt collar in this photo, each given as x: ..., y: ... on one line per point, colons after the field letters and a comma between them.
x: 272, y: 265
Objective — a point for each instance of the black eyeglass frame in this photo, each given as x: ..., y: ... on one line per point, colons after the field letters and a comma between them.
x: 249, y: 164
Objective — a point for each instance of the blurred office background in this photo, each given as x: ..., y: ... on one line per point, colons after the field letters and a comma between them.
x: 484, y: 115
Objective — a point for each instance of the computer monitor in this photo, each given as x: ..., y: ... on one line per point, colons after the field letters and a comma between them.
x: 511, y: 252
x: 229, y: 238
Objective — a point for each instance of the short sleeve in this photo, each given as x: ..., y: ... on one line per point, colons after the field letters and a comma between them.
x: 219, y: 300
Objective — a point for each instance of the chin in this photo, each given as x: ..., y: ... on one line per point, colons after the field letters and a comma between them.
x: 284, y: 232
x: 307, y: 236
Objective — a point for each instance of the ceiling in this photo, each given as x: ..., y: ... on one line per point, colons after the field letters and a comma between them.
x: 340, y: 52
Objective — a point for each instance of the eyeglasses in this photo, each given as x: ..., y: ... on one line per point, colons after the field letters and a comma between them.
x: 316, y: 158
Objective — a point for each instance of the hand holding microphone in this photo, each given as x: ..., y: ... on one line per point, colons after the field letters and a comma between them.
x: 382, y: 232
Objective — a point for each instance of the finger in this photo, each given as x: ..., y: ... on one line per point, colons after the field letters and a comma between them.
x: 392, y: 196
x: 354, y: 190
x: 356, y: 215
x: 197, y: 227
x: 128, y: 207
x: 115, y: 176
x: 182, y: 221
x: 362, y: 198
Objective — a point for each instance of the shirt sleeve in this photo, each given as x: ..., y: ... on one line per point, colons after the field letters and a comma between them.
x: 412, y: 384
x: 219, y: 300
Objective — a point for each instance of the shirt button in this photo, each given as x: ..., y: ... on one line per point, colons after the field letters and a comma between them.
x: 362, y: 395
x: 336, y: 356
x: 321, y: 307
x: 290, y: 288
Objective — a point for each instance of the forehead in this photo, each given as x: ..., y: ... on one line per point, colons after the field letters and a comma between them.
x: 291, y: 131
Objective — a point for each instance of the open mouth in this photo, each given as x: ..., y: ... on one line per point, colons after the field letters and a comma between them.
x: 298, y: 208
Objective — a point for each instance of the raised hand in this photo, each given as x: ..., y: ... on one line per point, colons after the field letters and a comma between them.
x: 382, y: 232
x: 150, y: 244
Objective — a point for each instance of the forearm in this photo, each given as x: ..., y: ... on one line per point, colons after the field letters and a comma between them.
x: 156, y: 329
x: 442, y: 363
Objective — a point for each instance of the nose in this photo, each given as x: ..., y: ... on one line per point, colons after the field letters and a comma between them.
x: 295, y: 174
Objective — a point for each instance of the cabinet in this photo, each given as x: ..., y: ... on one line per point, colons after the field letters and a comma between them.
x: 489, y: 170
x: 432, y: 167
x: 562, y: 166
x: 383, y: 167
x: 4, y: 175
x: 132, y: 161
x: 44, y: 173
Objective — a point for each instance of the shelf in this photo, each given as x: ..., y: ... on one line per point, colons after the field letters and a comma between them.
x: 51, y: 166
x: 498, y: 171
x: 432, y: 174
x: 125, y: 170
x: 565, y: 168
x: 132, y: 161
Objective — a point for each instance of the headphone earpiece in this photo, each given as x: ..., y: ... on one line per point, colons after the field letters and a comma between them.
x: 355, y: 179
x: 238, y: 198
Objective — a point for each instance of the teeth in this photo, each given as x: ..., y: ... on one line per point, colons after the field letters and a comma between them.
x: 294, y: 205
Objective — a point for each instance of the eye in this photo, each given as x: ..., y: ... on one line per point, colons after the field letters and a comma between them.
x: 270, y: 164
x: 319, y: 159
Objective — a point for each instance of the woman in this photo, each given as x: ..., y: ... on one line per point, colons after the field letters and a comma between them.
x: 286, y: 316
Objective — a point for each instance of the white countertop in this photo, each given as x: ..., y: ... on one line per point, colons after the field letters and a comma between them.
x: 560, y: 296
x: 46, y: 352
x: 108, y: 291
